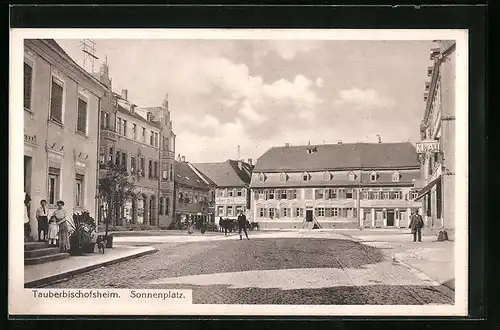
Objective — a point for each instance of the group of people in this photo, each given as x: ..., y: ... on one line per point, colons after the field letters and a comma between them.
x: 226, y: 225
x: 53, y: 229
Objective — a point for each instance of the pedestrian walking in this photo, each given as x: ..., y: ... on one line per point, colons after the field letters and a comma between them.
x: 42, y: 216
x: 416, y: 225
x: 242, y: 224
x: 221, y: 224
x: 190, y: 224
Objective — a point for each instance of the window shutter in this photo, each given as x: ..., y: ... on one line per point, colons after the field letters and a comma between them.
x: 54, y: 171
x: 56, y: 101
x: 81, y: 124
x: 79, y: 177
x: 28, y: 77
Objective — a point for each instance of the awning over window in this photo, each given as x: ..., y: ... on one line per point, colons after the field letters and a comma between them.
x: 425, y: 190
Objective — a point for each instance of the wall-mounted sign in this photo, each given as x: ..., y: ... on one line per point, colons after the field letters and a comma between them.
x: 222, y: 200
x: 427, y: 146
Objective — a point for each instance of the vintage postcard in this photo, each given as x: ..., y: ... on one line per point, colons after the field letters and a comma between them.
x: 238, y: 172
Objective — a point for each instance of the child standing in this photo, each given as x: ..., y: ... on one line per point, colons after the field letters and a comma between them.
x: 53, y: 231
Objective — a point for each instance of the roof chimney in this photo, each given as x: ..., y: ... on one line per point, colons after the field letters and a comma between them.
x: 125, y: 94
x: 287, y: 144
x: 179, y: 158
x: 339, y: 142
x: 250, y: 161
x: 240, y: 165
x: 183, y: 159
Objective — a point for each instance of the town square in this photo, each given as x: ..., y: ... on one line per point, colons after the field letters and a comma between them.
x: 270, y: 172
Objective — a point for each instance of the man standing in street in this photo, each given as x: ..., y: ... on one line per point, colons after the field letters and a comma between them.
x: 416, y: 225
x: 242, y: 224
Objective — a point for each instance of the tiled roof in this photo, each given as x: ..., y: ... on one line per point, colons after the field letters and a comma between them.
x: 185, y: 176
x: 226, y: 174
x: 338, y: 156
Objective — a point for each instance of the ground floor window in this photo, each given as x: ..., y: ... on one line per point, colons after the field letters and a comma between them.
x: 320, y: 212
x: 262, y: 212
x: 239, y: 209
x: 229, y: 211
x: 167, y: 206
x: 79, y: 190
x: 140, y: 211
x: 127, y: 211
x: 220, y: 210
x: 53, y: 193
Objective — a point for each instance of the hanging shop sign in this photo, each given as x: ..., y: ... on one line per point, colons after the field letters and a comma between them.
x: 427, y: 146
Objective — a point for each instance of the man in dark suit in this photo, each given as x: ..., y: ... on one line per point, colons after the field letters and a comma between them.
x: 416, y: 225
x: 242, y: 224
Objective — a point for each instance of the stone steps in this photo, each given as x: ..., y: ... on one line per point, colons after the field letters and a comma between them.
x: 36, y: 253
x: 46, y: 258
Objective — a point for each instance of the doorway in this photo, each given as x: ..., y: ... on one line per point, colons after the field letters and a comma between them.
x: 390, y: 218
x: 309, y: 215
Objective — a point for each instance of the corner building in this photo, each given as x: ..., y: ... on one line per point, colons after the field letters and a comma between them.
x: 232, y: 191
x: 338, y: 185
x: 436, y: 151
x: 61, y: 111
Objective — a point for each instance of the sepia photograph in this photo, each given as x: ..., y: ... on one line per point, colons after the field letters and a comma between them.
x: 239, y: 172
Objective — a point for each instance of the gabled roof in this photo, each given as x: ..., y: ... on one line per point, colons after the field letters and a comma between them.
x: 185, y: 176
x: 227, y: 174
x: 338, y: 157
x: 138, y: 117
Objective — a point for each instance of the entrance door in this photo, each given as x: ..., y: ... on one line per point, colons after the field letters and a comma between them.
x: 309, y: 215
x: 368, y: 219
x: 390, y: 218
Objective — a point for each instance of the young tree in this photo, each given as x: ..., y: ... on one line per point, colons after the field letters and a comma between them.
x: 115, y: 187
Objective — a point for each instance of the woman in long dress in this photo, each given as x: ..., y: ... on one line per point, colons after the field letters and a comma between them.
x: 62, y: 220
x: 190, y: 225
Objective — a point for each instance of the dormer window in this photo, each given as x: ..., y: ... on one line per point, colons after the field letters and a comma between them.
x: 327, y: 176
x: 306, y: 176
x: 352, y: 176
x: 283, y: 177
x: 396, y: 176
x: 373, y: 176
x: 261, y: 177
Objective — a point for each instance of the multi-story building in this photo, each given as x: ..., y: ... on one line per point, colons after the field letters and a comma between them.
x: 193, y: 195
x: 437, y: 149
x: 143, y: 143
x: 232, y: 191
x: 337, y: 185
x: 61, y: 107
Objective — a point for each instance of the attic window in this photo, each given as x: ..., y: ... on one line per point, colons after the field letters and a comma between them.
x: 306, y: 177
x: 396, y: 176
x: 262, y: 177
x: 327, y: 176
x: 352, y: 176
x: 311, y: 150
x: 283, y: 177
x: 373, y: 176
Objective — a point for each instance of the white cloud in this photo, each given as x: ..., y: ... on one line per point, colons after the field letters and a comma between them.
x: 248, y: 112
x: 319, y: 82
x: 368, y: 98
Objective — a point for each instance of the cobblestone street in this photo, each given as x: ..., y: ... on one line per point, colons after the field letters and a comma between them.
x: 295, y: 270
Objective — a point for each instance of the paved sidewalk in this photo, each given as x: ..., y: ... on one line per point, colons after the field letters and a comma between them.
x: 434, y: 259
x: 40, y: 275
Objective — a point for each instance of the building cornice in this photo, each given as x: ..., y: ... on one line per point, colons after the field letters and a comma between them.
x: 65, y: 63
x: 353, y: 169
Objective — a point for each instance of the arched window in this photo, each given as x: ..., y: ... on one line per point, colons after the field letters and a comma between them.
x: 327, y: 176
x: 161, y: 206
x: 352, y: 176
x: 262, y: 177
x: 167, y: 204
x: 283, y: 177
x: 373, y: 176
x: 396, y: 176
x: 306, y: 176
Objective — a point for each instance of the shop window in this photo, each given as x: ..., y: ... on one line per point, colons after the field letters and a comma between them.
x: 56, y: 100
x: 28, y: 85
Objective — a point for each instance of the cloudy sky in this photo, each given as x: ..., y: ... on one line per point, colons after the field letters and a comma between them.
x: 259, y: 94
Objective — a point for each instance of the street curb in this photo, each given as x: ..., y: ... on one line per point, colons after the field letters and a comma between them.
x: 47, y: 280
x: 444, y: 289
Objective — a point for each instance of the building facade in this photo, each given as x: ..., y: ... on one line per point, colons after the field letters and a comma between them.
x: 232, y: 186
x: 437, y: 149
x: 337, y: 186
x: 61, y: 111
x: 193, y: 195
x: 133, y: 137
